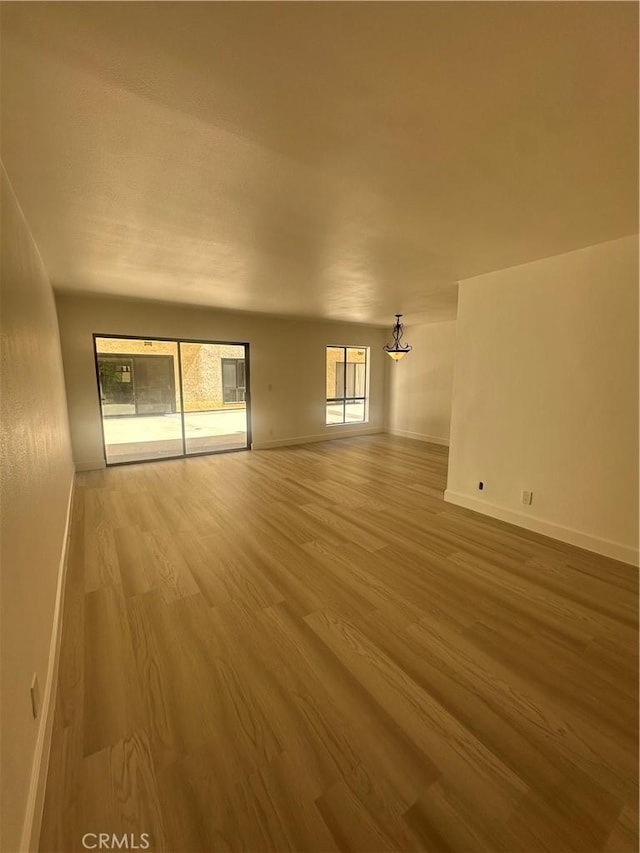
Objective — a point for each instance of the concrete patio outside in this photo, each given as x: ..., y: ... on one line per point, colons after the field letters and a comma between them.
x: 128, y: 439
x: 136, y: 438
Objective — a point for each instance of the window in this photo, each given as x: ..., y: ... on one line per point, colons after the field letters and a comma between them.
x: 346, y: 385
x: 355, y: 378
x: 233, y: 380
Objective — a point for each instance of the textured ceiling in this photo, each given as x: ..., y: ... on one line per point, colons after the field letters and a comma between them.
x: 342, y: 160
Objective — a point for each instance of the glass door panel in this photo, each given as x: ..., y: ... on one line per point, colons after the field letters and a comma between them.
x: 155, y: 385
x: 335, y: 385
x: 116, y: 385
x: 139, y: 399
x: 214, y: 390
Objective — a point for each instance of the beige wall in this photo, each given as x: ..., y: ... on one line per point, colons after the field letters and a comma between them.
x: 546, y: 396
x: 287, y: 358
x: 421, y: 384
x: 37, y: 473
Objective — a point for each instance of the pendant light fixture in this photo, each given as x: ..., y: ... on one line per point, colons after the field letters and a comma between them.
x: 396, y: 350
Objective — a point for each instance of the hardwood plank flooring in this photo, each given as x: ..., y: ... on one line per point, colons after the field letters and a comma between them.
x: 259, y: 653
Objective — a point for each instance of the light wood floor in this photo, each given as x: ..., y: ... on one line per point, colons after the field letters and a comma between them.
x: 307, y: 649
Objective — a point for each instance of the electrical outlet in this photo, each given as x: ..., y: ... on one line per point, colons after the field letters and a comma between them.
x: 35, y: 696
x: 527, y: 498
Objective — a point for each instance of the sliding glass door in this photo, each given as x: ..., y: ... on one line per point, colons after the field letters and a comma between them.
x: 164, y: 398
x: 139, y: 387
x: 215, y: 409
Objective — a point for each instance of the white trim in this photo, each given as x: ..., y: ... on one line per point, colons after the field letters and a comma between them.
x: 615, y: 550
x: 97, y: 465
x: 419, y: 436
x: 40, y: 767
x: 349, y: 432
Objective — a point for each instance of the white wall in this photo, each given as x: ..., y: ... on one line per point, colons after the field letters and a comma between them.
x: 37, y: 474
x: 287, y: 365
x: 421, y: 384
x: 546, y: 397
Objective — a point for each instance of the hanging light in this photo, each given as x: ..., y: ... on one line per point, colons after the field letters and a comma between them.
x: 396, y: 350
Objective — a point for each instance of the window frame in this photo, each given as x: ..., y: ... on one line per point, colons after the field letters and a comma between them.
x: 344, y: 400
x: 178, y: 341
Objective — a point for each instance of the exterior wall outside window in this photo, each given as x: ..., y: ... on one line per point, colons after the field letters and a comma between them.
x: 201, y: 368
x: 335, y: 356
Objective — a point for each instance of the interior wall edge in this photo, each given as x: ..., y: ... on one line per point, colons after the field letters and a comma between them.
x: 546, y: 396
x: 419, y: 436
x: 91, y: 465
x: 38, y: 477
x: 421, y: 386
x: 33, y: 816
x: 605, y: 547
x: 309, y: 439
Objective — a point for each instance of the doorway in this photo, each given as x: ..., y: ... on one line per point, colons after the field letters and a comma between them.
x: 164, y: 398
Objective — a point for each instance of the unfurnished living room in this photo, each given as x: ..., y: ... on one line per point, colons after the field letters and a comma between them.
x: 319, y: 427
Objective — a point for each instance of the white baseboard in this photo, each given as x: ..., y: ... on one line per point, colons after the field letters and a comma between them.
x: 615, y: 550
x: 419, y: 436
x: 335, y: 432
x: 95, y: 465
x: 40, y: 767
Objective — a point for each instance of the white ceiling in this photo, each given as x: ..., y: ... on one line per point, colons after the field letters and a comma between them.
x: 341, y: 160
